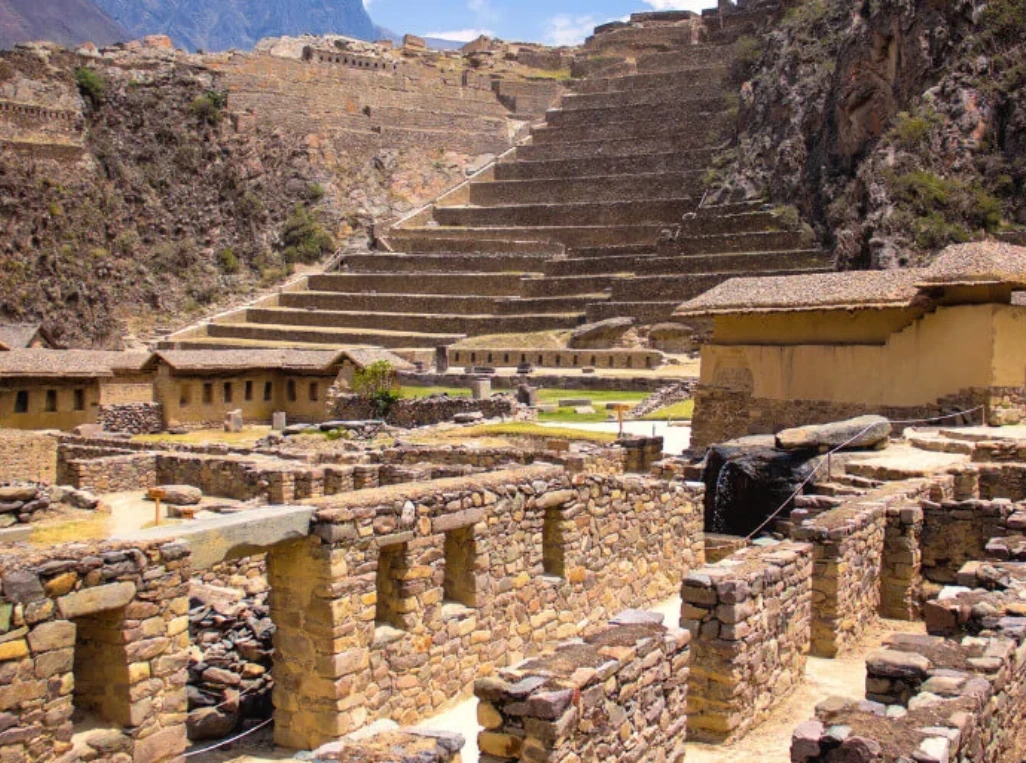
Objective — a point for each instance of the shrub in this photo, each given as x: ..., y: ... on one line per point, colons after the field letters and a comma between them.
x: 912, y: 132
x: 208, y: 107
x: 747, y: 52
x: 227, y: 261
x: 377, y: 384
x: 315, y: 192
x: 304, y: 239
x: 91, y: 85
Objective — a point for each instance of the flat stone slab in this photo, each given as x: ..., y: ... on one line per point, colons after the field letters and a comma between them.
x: 853, y: 434
x: 233, y: 536
x: 901, y: 462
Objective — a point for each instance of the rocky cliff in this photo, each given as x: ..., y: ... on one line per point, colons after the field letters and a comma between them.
x: 224, y: 24
x: 134, y: 199
x: 68, y: 22
x: 895, y: 126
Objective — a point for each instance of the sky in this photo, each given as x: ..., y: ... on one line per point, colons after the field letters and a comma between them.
x: 554, y: 22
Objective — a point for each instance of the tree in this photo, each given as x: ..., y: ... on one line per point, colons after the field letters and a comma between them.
x: 378, y: 383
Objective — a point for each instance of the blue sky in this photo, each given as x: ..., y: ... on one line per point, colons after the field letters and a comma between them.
x: 555, y: 22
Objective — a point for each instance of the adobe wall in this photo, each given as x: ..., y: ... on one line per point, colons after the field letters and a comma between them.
x: 750, y: 625
x: 546, y: 556
x: 65, y: 414
x: 28, y: 456
x: 95, y: 627
x: 620, y: 694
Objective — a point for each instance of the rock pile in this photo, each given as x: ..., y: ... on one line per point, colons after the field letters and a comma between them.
x: 25, y: 502
x: 230, y: 660
x: 136, y: 418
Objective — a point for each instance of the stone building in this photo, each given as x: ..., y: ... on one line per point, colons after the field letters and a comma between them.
x: 200, y: 386
x: 906, y: 343
x: 62, y: 389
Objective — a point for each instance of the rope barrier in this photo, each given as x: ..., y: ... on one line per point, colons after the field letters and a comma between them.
x: 824, y: 459
x: 228, y: 741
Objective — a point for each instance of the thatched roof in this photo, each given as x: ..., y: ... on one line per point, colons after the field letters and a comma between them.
x: 981, y: 263
x: 308, y: 361
x: 21, y: 335
x: 816, y: 291
x: 78, y: 364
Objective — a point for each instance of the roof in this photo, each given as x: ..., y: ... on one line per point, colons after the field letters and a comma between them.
x: 287, y: 360
x: 984, y: 262
x: 816, y: 291
x: 87, y: 364
x: 979, y: 263
x: 365, y: 356
x: 20, y: 335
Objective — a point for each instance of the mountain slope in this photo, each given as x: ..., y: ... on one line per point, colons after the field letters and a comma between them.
x: 68, y: 22
x: 223, y: 24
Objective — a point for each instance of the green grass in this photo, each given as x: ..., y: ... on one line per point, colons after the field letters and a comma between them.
x: 417, y: 392
x: 682, y: 411
x: 568, y: 416
x: 597, y: 397
x: 528, y: 429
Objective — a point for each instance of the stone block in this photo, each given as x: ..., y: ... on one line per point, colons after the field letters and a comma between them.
x: 91, y: 601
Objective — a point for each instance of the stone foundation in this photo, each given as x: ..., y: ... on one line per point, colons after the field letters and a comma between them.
x: 620, y: 694
x: 28, y: 456
x: 749, y: 619
x: 136, y: 418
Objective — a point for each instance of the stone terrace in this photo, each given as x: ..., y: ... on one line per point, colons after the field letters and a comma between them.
x: 565, y: 229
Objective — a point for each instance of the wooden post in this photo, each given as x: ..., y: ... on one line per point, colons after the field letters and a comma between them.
x: 156, y: 495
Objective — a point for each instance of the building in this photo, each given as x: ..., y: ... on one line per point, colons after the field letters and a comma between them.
x: 912, y: 343
x: 20, y: 336
x: 198, y: 387
x: 62, y: 389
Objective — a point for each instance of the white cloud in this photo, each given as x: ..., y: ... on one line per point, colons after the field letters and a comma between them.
x: 565, y: 29
x: 461, y: 35
x: 680, y: 5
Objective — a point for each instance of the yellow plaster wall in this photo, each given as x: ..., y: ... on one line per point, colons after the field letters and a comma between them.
x: 952, y: 349
x: 37, y: 417
x: 813, y: 326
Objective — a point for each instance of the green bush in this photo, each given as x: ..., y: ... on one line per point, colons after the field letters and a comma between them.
x: 913, y: 132
x: 209, y: 106
x: 304, y: 239
x: 227, y: 261
x: 91, y: 85
x: 747, y: 53
x: 377, y: 384
x: 315, y: 192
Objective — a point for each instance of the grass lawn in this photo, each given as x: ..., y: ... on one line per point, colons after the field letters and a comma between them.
x: 247, y: 437
x: 417, y: 392
x: 682, y: 411
x: 599, y: 398
x: 529, y: 429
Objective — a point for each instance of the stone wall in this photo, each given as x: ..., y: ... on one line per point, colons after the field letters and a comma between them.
x: 928, y: 699
x: 137, y: 418
x: 956, y: 532
x: 28, y: 456
x: 97, y: 628
x: 425, y: 411
x: 114, y: 474
x: 620, y: 359
x: 594, y: 382
x: 621, y: 694
x: 420, y: 590
x: 750, y: 634
x: 902, y: 571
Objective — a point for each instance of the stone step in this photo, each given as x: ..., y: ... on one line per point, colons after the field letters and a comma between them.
x: 693, y: 163
x: 696, y: 56
x: 651, y: 80
x: 700, y: 149
x: 329, y: 336
x: 737, y: 264
x: 642, y: 312
x: 478, y: 284
x: 612, y: 250
x: 666, y: 111
x: 694, y: 129
x: 678, y: 91
x: 568, y: 287
x: 767, y: 241
x: 680, y: 287
x: 568, y: 235
x: 634, y: 37
x: 665, y: 185
x: 707, y: 224
x: 438, y: 303
x: 514, y: 243
x: 659, y: 211
x: 434, y: 323
x: 387, y: 262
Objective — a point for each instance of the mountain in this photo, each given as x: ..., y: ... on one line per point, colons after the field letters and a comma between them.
x: 222, y: 24
x: 68, y: 22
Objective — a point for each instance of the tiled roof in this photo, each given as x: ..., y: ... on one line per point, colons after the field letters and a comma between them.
x: 69, y: 363
x: 981, y: 262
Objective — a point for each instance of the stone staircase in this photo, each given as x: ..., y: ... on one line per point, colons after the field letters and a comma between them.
x: 570, y: 227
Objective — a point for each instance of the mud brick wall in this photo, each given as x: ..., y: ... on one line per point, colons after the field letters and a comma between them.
x: 750, y: 624
x: 113, y: 474
x: 619, y: 695
x: 928, y: 699
x: 421, y: 588
x: 102, y: 628
x: 28, y: 456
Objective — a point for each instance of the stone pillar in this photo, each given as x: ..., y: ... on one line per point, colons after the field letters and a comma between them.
x: 441, y: 359
x: 279, y: 421
x: 324, y: 611
x: 233, y: 421
x: 481, y: 388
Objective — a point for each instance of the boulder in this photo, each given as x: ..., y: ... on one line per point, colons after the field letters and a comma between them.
x: 600, y: 335
x: 18, y: 493
x: 854, y: 434
x: 181, y: 495
x: 210, y: 723
x: 671, y: 337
